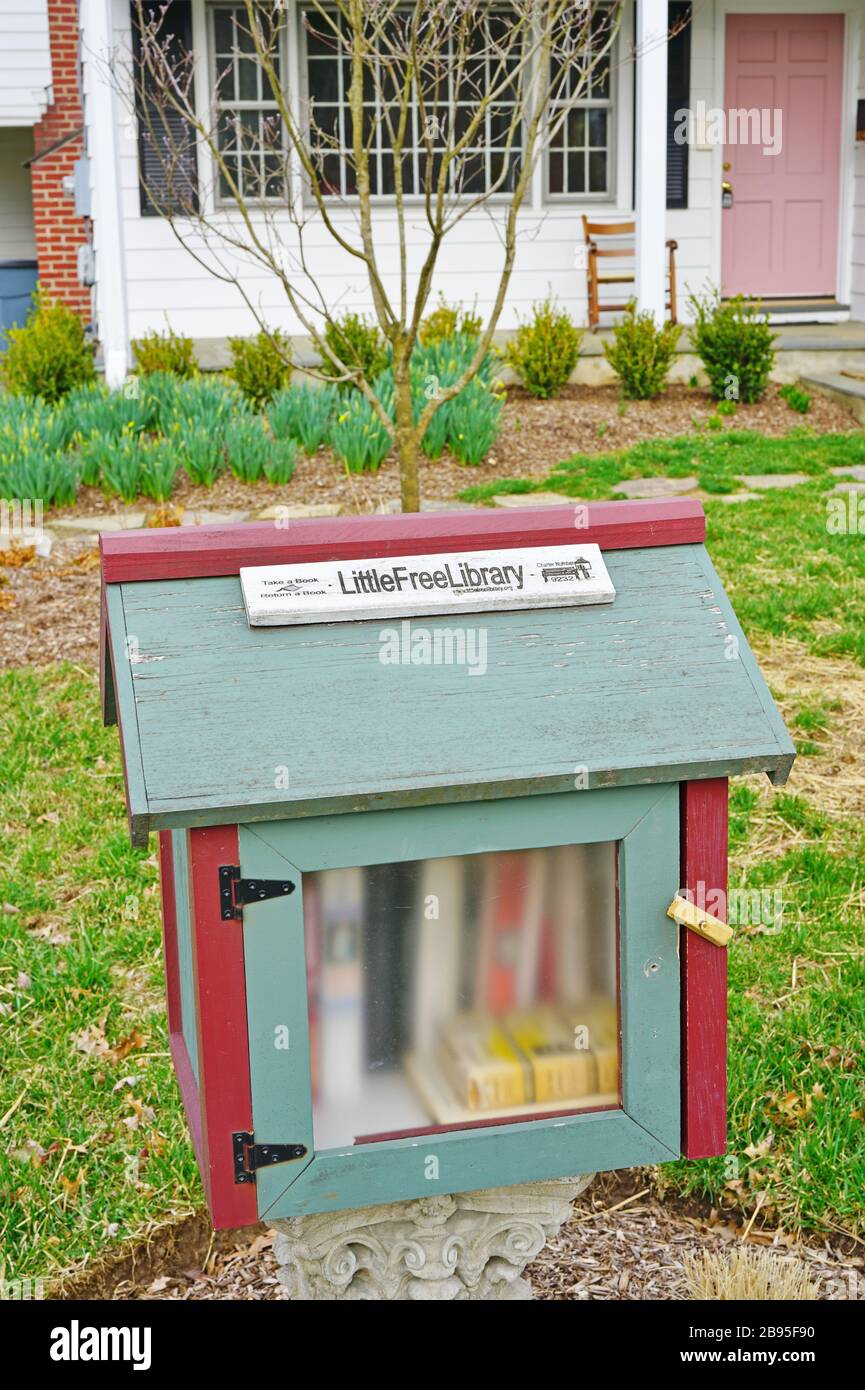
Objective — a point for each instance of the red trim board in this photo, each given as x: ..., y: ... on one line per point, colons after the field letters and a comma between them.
x: 223, y: 1041
x: 200, y: 551
x: 704, y: 973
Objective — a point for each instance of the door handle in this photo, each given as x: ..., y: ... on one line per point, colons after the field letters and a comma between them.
x: 726, y: 194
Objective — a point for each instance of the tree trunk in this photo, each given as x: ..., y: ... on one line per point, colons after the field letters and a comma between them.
x: 406, y: 442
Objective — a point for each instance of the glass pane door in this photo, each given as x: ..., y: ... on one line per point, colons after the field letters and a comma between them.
x: 461, y: 990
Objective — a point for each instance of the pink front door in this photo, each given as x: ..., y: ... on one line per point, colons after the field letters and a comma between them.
x: 782, y: 91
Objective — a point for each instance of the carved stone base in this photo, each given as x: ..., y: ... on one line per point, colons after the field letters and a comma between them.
x: 467, y: 1246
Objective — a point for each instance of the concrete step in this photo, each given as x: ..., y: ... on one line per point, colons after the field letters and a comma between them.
x: 845, y: 390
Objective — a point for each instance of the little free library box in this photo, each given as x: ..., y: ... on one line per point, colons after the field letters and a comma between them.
x: 444, y: 860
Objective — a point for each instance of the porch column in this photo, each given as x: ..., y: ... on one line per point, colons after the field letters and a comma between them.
x: 102, y: 128
x: 651, y: 155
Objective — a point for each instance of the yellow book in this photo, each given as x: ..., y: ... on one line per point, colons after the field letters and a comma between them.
x: 560, y: 1071
x: 483, y: 1064
x: 594, y: 1023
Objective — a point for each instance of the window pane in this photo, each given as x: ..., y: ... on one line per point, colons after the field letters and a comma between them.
x: 577, y: 172
x: 247, y: 83
x: 323, y: 81
x: 473, y: 987
x: 556, y: 172
x: 223, y: 31
x: 598, y: 129
x: 598, y: 171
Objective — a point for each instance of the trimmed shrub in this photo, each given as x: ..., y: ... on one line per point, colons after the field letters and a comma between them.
x: 49, y: 355
x: 358, y: 344
x: 641, y: 354
x: 544, y: 351
x: 736, y: 346
x: 164, y: 352
x: 449, y: 321
x: 260, y: 366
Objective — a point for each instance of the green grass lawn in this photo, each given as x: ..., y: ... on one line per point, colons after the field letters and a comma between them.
x: 93, y: 1145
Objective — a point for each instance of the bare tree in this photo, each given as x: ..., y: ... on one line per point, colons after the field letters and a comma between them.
x: 445, y: 109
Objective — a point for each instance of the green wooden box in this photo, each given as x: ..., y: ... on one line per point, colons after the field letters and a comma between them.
x: 416, y: 927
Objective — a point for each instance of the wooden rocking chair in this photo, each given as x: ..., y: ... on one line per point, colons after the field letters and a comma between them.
x: 616, y: 231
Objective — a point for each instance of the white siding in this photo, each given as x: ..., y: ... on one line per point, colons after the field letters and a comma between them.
x: 25, y: 62
x: 17, y: 238
x: 166, y: 285
x: 857, y: 268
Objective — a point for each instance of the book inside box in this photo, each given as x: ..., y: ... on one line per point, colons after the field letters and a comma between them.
x: 450, y: 991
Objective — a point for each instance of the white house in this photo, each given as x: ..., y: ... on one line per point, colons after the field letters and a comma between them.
x: 739, y: 139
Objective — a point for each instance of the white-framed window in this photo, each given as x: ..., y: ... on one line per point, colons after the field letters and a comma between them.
x: 249, y: 131
x: 490, y: 164
x: 579, y: 163
x: 580, y: 156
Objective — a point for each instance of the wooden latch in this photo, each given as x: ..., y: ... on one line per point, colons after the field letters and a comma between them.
x: 687, y: 915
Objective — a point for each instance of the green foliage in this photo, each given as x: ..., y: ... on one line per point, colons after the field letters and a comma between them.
x: 201, y: 452
x: 796, y: 398
x: 260, y: 366
x: 726, y: 408
x: 281, y: 461
x: 303, y: 413
x: 164, y: 352
x: 449, y: 321
x: 210, y: 405
x: 359, y: 344
x: 159, y: 462
x: 49, y: 355
x: 544, y: 351
x: 121, y: 469
x: 474, y: 422
x: 641, y: 354
x: 358, y: 436
x: 248, y: 448
x: 50, y: 478
x: 736, y: 346
x: 437, y: 432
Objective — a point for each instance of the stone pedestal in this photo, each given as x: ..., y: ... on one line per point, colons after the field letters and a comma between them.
x: 473, y: 1245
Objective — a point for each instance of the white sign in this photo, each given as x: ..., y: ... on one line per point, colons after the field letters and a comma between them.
x: 339, y: 591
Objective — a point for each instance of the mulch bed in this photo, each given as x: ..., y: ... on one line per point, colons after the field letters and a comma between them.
x: 534, y: 436
x: 621, y: 1244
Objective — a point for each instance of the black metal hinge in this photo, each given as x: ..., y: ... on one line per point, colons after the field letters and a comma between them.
x: 249, y: 1156
x: 236, y: 893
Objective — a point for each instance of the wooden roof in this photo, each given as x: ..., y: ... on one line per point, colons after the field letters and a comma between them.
x: 216, y: 717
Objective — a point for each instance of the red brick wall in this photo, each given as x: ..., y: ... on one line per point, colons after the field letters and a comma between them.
x: 59, y: 232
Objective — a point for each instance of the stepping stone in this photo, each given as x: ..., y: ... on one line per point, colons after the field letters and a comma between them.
x: 201, y: 517
x: 655, y: 487
x: 855, y: 470
x: 771, y: 480
x: 126, y: 521
x: 531, y: 499
x: 286, y: 511
x: 848, y: 487
x: 729, y: 497
x: 437, y: 505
